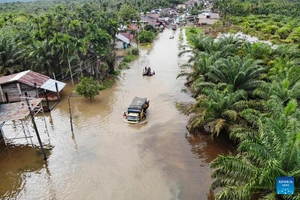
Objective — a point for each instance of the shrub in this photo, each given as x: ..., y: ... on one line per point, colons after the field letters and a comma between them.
x: 146, y: 36
x: 129, y: 58
x: 133, y: 51
x: 88, y: 87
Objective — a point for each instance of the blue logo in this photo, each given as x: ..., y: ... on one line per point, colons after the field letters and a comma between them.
x: 285, y: 185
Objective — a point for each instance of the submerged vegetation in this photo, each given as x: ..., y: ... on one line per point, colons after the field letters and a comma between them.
x: 250, y: 93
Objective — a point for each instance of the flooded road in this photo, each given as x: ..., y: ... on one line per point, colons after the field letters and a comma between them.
x: 107, y: 159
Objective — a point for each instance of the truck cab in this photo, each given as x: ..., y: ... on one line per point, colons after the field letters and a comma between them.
x: 136, y: 112
x: 133, y: 117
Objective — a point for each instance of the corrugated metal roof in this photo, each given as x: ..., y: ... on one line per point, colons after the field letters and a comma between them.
x: 123, y: 38
x: 27, y: 77
x: 30, y: 78
x: 50, y: 85
x: 7, y: 79
x: 16, y: 111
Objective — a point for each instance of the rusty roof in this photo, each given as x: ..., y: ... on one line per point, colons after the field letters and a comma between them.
x: 17, y: 111
x: 30, y: 78
x: 26, y: 77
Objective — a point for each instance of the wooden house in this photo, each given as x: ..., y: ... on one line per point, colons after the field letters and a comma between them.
x: 15, y: 86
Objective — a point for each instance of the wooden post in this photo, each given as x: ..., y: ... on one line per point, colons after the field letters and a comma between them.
x: 57, y: 92
x: 1, y: 131
x: 2, y: 95
x: 6, y: 96
x: 35, y: 128
x: 70, y: 68
x: 36, y: 90
x: 47, y: 100
x: 70, y: 114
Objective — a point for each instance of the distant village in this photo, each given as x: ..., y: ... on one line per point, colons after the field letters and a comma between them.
x: 168, y: 17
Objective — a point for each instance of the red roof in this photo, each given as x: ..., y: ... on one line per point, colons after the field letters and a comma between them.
x: 127, y: 35
x: 25, y: 77
x: 133, y: 27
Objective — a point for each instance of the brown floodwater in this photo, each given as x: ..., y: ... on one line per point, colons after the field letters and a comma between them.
x: 105, y: 158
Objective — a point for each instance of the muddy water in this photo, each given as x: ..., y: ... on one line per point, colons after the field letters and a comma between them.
x: 107, y: 159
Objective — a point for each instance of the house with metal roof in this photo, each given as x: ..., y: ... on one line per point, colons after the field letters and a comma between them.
x: 15, y: 86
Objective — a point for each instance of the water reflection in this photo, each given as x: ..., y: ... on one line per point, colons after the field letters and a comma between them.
x: 13, y: 170
x: 206, y: 149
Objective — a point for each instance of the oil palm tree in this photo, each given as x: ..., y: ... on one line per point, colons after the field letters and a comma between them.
x: 282, y: 90
x: 241, y: 73
x: 200, y: 68
x: 10, y: 55
x: 284, y: 68
x: 273, y: 152
x: 217, y: 110
x: 42, y: 57
x: 256, y: 51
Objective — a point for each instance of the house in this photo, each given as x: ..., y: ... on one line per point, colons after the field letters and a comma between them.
x: 150, y: 18
x: 124, y: 39
x: 207, y: 18
x: 15, y: 86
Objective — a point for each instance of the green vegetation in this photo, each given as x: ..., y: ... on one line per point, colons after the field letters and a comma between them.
x: 38, y: 7
x: 146, y: 36
x: 190, y: 30
x: 249, y: 92
x: 88, y: 87
x: 277, y: 21
x: 62, y: 40
x: 132, y: 54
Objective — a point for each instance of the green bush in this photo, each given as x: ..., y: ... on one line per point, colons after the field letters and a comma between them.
x: 149, y: 27
x: 146, y: 36
x: 133, y: 51
x: 88, y: 87
x: 129, y: 58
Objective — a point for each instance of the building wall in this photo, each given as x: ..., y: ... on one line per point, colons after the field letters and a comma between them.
x: 13, y: 92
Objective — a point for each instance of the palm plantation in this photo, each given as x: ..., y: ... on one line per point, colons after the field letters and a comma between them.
x: 251, y: 94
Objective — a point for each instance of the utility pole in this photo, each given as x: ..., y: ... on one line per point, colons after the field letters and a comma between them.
x: 70, y: 68
x: 35, y: 127
x: 70, y: 113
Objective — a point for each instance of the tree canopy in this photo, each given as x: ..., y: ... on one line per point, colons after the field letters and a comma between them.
x: 88, y: 87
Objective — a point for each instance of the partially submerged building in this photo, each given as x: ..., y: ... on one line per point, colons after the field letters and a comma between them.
x: 15, y: 86
x: 21, y: 99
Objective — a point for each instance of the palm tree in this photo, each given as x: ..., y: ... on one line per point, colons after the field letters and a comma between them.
x: 241, y: 73
x: 10, y: 54
x: 286, y: 51
x: 284, y: 68
x: 217, y: 110
x: 42, y: 57
x: 226, y: 46
x: 282, y: 90
x: 273, y: 152
x: 201, y: 67
x: 256, y: 51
